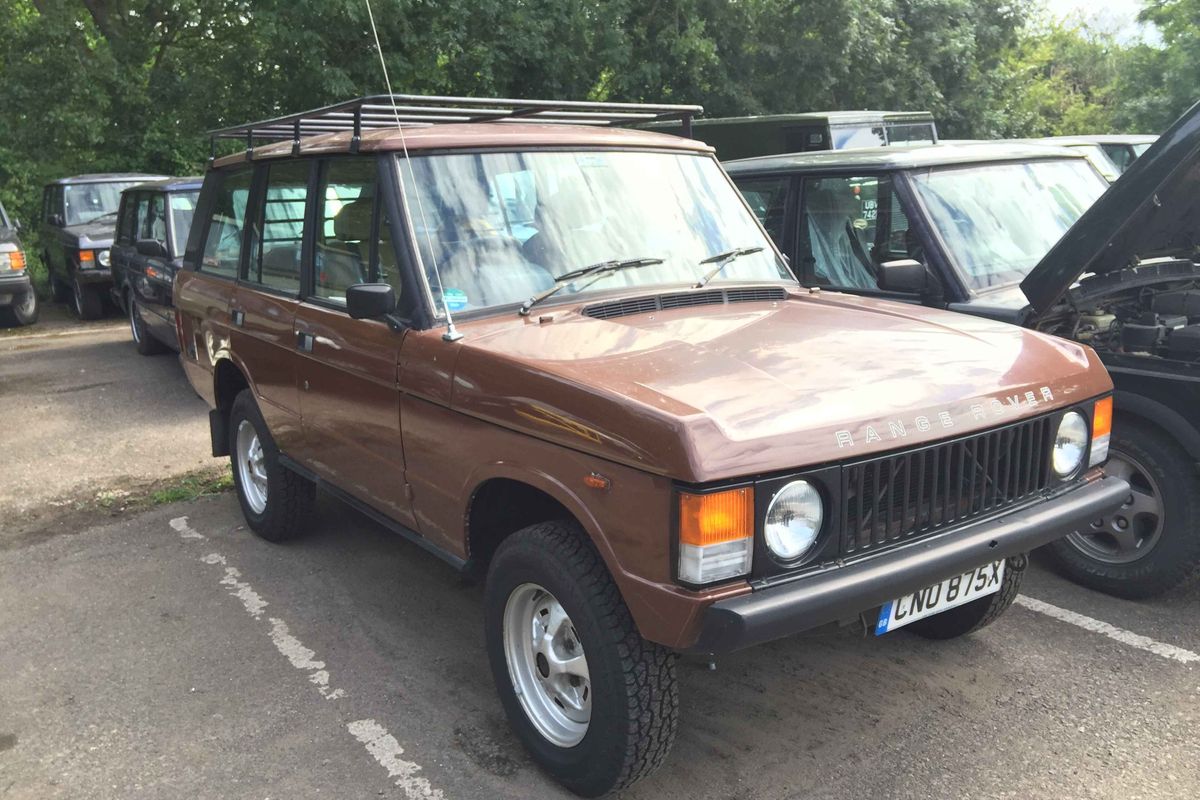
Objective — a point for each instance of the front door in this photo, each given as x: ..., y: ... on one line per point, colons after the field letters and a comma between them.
x: 347, y: 371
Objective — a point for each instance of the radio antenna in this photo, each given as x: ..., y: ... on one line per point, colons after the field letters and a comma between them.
x: 451, y: 334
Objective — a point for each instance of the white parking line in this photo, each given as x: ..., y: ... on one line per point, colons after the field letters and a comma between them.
x: 1121, y: 635
x: 381, y: 745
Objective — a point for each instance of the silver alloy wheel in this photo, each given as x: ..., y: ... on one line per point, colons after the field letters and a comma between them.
x: 134, y: 327
x: 1135, y: 528
x: 252, y: 467
x: 546, y: 663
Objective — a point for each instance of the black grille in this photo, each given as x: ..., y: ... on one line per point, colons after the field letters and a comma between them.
x: 905, y: 496
x: 641, y: 305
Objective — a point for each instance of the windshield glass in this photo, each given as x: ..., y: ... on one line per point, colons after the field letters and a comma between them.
x: 1100, y: 160
x: 84, y: 202
x: 500, y: 226
x: 998, y: 220
x: 183, y: 205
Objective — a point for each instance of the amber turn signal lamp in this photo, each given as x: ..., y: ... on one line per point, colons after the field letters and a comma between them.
x: 596, y: 481
x: 86, y: 256
x: 716, y: 517
x: 16, y: 260
x: 1102, y: 419
x: 716, y: 535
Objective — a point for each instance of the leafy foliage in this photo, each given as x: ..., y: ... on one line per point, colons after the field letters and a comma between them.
x: 91, y: 85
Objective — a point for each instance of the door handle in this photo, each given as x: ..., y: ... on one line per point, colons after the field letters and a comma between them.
x: 304, y: 341
x: 239, y: 317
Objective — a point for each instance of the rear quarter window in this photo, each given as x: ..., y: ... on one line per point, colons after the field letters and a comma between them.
x: 223, y: 238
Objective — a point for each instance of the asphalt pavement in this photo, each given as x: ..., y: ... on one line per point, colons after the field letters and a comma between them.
x: 171, y: 654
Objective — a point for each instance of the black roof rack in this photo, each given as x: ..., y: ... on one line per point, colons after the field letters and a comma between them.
x: 382, y: 111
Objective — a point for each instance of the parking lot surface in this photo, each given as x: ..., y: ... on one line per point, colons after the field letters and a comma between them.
x: 172, y: 654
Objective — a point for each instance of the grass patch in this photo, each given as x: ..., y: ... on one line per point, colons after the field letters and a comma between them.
x: 192, y: 486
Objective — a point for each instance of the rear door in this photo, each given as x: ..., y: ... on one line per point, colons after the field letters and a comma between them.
x: 268, y: 294
x: 347, y: 370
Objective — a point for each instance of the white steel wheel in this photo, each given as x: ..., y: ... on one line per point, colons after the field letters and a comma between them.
x: 252, y: 467
x: 547, y: 665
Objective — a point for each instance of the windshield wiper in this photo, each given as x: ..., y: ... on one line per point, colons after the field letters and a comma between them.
x: 599, y: 270
x: 722, y: 260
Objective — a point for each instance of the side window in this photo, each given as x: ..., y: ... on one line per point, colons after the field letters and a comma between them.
x: 223, y: 241
x: 141, y: 217
x: 346, y: 210
x: 768, y: 200
x: 125, y: 219
x: 849, y: 226
x: 277, y: 237
x: 156, y: 219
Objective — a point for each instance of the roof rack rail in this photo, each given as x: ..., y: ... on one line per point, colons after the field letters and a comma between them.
x: 381, y: 111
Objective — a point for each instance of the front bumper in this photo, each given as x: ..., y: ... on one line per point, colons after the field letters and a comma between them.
x: 95, y: 275
x: 846, y: 591
x: 14, y: 286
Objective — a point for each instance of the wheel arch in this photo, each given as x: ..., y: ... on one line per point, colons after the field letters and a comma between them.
x: 505, y: 498
x: 1152, y: 412
x: 229, y: 379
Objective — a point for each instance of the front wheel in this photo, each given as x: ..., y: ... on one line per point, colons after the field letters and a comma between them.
x: 595, y: 704
x: 147, y: 345
x: 1151, y: 543
x: 276, y: 501
x: 976, y: 614
x: 86, y: 300
x: 23, y: 310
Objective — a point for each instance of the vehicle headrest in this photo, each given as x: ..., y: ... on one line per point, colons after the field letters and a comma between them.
x: 353, y: 222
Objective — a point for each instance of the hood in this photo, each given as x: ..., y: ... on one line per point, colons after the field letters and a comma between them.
x: 710, y: 392
x: 96, y: 234
x: 1153, y: 210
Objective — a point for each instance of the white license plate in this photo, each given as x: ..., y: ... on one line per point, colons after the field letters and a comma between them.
x: 950, y: 593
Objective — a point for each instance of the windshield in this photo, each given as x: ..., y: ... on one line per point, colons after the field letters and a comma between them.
x: 998, y: 220
x: 183, y: 205
x: 1100, y: 160
x: 500, y: 226
x: 84, y: 202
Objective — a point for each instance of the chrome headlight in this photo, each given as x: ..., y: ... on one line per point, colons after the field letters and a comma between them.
x: 1070, y: 444
x: 793, y: 520
x: 102, y: 258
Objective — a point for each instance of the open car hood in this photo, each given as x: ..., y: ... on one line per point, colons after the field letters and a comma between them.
x: 1152, y: 211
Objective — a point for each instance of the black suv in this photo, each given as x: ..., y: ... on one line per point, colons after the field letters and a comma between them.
x: 18, y: 300
x: 1032, y: 234
x: 78, y: 216
x: 151, y: 234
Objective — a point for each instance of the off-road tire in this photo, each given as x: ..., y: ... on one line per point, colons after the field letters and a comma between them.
x: 60, y: 291
x: 22, y: 310
x: 976, y: 614
x: 635, y: 704
x: 290, y: 496
x: 1176, y: 554
x: 86, y: 301
x: 145, y: 342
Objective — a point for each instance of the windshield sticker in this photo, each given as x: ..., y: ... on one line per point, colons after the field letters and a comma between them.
x: 455, y: 299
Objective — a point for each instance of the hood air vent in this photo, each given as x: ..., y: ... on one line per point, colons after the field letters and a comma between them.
x: 664, y: 302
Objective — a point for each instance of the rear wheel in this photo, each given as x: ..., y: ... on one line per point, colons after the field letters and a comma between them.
x: 22, y: 311
x: 1151, y: 543
x: 976, y: 614
x: 594, y: 703
x: 276, y: 502
x: 86, y: 300
x: 147, y: 345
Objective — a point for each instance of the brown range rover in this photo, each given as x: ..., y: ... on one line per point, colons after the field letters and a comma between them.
x: 569, y: 359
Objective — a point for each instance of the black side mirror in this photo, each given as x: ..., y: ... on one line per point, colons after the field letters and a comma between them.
x: 56, y: 220
x: 151, y: 247
x: 904, y: 275
x: 370, y: 300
